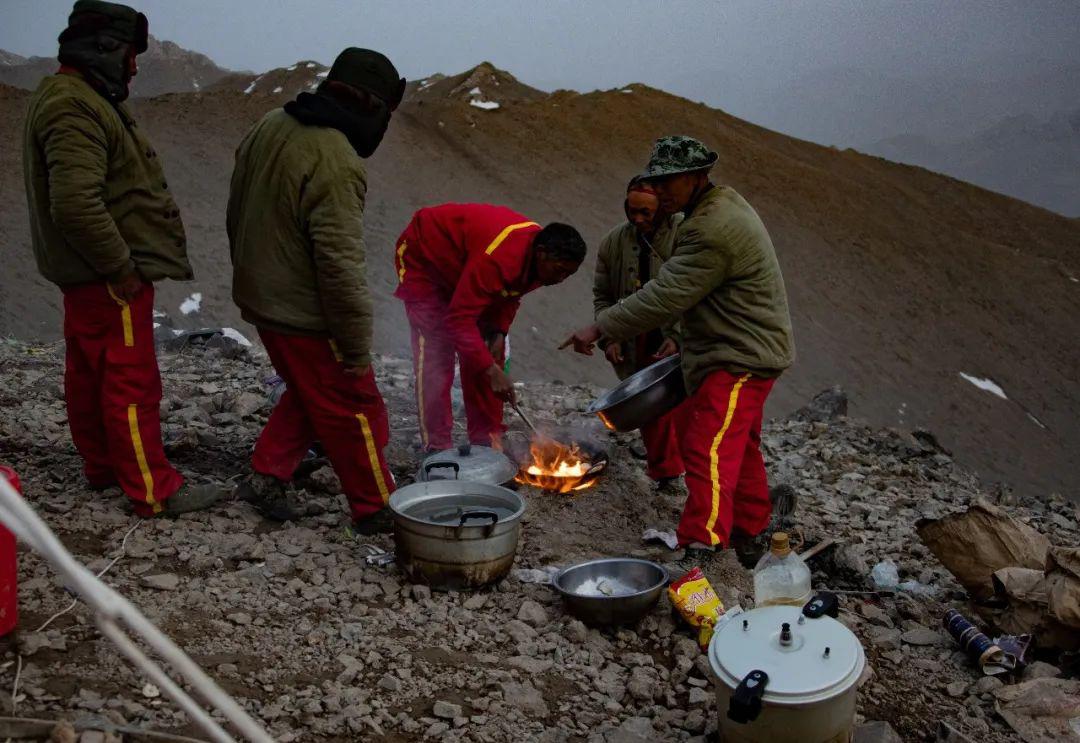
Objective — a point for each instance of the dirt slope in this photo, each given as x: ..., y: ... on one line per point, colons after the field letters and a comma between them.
x: 900, y: 278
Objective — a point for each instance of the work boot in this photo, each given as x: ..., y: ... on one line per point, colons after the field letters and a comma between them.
x: 695, y: 555
x: 269, y: 497
x: 784, y: 500
x: 192, y: 498
x: 670, y: 485
x: 380, y: 522
x: 749, y: 549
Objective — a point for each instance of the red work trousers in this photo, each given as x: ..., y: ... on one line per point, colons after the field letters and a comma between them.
x: 433, y: 365
x: 720, y: 435
x: 662, y: 455
x: 113, y: 390
x: 345, y: 412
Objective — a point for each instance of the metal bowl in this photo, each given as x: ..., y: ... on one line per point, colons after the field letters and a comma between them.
x: 647, y: 578
x: 642, y: 397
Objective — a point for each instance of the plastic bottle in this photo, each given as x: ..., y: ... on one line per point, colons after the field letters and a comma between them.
x: 781, y: 576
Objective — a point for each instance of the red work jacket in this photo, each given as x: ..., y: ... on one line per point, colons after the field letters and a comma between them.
x: 474, y: 260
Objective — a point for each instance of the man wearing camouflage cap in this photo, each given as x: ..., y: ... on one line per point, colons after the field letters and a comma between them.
x: 723, y: 284
x: 104, y: 227
x: 295, y: 224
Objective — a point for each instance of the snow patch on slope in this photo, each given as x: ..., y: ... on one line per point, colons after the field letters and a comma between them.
x: 985, y: 384
x: 191, y: 304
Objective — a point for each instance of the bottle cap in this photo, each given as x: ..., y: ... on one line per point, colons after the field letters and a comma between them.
x: 780, y: 546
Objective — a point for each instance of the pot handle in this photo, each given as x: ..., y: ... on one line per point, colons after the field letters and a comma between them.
x: 433, y: 465
x: 745, y: 703
x: 494, y: 517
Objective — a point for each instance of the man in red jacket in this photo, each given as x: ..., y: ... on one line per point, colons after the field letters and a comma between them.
x: 462, y: 270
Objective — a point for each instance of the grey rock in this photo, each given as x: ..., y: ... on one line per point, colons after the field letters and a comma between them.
x: 533, y: 614
x: 885, y: 638
x: 957, y: 689
x: 1039, y: 669
x: 524, y: 697
x: 446, y: 710
x: 877, y: 731
x: 923, y: 636
x: 825, y: 406
x: 987, y: 684
x: 162, y: 581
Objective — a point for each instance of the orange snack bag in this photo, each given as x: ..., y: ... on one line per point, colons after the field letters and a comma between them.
x: 698, y: 603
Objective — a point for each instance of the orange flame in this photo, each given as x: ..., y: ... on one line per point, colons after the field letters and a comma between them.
x: 556, y: 467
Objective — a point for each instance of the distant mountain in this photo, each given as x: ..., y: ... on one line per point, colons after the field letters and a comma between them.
x: 1032, y: 158
x: 164, y: 68
x: 968, y: 123
x: 286, y: 82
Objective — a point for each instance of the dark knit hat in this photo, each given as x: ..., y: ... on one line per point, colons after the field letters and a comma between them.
x: 97, y: 18
x: 371, y: 71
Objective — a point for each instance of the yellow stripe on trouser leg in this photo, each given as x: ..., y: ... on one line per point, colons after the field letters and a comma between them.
x: 420, y: 390
x: 125, y: 318
x: 714, y: 458
x: 337, y: 354
x: 140, y: 457
x: 373, y: 456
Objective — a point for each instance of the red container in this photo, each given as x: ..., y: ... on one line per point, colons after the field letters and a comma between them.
x: 9, y: 607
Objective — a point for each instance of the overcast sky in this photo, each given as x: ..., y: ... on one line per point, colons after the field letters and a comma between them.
x: 737, y: 47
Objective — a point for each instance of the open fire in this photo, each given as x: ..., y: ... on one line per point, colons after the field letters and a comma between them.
x: 559, y: 467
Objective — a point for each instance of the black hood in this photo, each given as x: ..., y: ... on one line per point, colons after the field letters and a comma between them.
x: 98, y: 41
x: 364, y: 130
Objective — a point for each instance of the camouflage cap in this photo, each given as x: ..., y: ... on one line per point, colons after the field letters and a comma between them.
x: 678, y: 154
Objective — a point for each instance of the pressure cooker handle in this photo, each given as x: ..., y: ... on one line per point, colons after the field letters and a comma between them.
x: 745, y: 703
x: 433, y: 465
x: 467, y: 515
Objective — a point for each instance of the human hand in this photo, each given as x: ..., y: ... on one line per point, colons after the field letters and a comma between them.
x: 667, y: 348
x: 583, y: 340
x: 501, y: 384
x: 128, y: 286
x: 614, y: 353
x: 495, y: 342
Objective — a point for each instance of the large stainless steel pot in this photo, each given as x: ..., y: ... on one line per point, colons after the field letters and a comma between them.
x: 642, y: 397
x: 453, y: 534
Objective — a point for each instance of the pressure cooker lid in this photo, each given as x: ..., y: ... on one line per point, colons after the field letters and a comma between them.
x: 813, y: 661
x: 470, y: 463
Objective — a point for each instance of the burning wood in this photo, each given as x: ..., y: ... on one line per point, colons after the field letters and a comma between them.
x: 558, y: 467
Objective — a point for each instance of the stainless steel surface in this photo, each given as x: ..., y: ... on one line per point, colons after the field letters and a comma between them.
x: 454, y: 534
x: 642, y: 397
x: 468, y: 463
x: 648, y: 577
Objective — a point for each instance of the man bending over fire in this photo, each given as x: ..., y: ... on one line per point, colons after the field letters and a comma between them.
x: 462, y: 270
x: 723, y: 284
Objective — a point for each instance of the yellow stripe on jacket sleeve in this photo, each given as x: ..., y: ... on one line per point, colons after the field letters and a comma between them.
x: 505, y: 234
x: 125, y: 317
x: 714, y: 458
x: 401, y: 260
x: 140, y: 458
x: 373, y: 457
x: 420, y: 389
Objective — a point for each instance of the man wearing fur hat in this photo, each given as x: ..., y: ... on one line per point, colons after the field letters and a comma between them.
x: 296, y: 224
x: 723, y: 284
x: 104, y: 227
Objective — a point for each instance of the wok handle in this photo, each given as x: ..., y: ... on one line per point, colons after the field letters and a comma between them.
x: 452, y: 465
x: 467, y: 515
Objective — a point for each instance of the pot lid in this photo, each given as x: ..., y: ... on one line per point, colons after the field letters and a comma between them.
x: 457, y: 503
x: 821, y: 660
x: 469, y: 463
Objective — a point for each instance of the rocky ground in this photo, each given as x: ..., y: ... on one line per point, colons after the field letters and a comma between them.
x: 320, y: 646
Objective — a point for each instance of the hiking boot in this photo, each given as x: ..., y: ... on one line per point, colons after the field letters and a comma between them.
x: 670, y: 485
x: 749, y: 549
x: 784, y: 500
x: 268, y: 496
x: 695, y: 555
x: 380, y: 522
x: 192, y: 498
